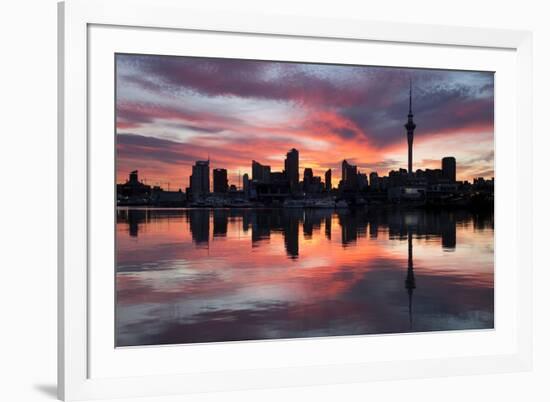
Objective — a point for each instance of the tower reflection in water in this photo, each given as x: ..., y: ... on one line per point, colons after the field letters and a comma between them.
x: 410, y: 282
x: 338, y: 278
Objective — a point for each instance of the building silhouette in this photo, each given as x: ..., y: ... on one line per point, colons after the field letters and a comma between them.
x: 328, y: 180
x: 277, y: 177
x: 311, y: 184
x: 133, y: 187
x: 410, y: 126
x: 362, y: 181
x: 261, y: 173
x: 349, y: 176
x: 448, y: 167
x: 200, y: 179
x: 374, y: 181
x: 308, y: 174
x: 292, y: 169
x: 308, y: 180
x: 220, y: 181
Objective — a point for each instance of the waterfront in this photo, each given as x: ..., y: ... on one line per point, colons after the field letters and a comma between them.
x: 208, y: 275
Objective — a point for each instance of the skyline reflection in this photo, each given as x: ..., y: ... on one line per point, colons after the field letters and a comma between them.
x: 200, y: 275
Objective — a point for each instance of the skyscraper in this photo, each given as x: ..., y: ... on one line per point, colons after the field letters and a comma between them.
x: 260, y: 173
x: 200, y: 178
x: 448, y: 166
x: 308, y: 179
x: 308, y: 174
x: 220, y: 180
x: 349, y: 176
x: 328, y: 180
x: 410, y: 126
x: 292, y: 167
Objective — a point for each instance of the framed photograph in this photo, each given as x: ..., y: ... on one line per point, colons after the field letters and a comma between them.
x: 252, y: 201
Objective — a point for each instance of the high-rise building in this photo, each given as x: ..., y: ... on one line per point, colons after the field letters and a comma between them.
x: 246, y: 185
x: 200, y: 178
x: 292, y: 168
x: 308, y: 174
x: 448, y: 167
x: 328, y: 180
x: 311, y: 183
x: 410, y: 126
x: 374, y: 180
x: 349, y: 176
x: 220, y: 180
x: 260, y: 173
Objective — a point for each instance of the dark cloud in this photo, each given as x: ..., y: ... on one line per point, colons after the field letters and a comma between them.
x: 130, y: 114
x: 437, y: 109
x: 345, y: 132
x: 229, y: 77
x: 133, y: 146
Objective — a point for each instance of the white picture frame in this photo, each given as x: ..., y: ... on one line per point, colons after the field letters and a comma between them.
x: 79, y: 320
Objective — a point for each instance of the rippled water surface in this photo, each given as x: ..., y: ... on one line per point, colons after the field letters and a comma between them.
x: 199, y: 275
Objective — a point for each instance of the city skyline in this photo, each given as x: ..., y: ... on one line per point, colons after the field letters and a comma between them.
x: 256, y: 110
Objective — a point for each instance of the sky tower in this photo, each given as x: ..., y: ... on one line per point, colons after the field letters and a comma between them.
x: 410, y: 126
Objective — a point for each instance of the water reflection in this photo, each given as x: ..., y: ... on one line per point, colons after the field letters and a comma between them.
x: 410, y: 282
x: 199, y: 275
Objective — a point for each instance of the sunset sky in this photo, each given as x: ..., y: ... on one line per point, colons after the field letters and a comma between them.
x: 172, y: 111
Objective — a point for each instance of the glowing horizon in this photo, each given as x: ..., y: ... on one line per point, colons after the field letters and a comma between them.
x: 173, y: 111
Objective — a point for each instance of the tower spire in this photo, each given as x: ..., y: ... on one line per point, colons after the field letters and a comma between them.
x: 410, y: 96
x: 410, y: 126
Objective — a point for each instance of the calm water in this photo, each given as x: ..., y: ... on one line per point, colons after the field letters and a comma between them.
x: 201, y: 275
